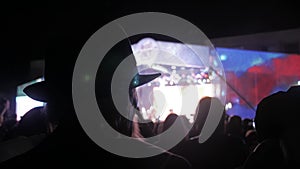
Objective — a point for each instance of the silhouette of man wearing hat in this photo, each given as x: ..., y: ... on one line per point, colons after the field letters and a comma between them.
x: 68, y: 145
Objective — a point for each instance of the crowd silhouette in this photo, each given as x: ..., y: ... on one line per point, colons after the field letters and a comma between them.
x: 54, y: 137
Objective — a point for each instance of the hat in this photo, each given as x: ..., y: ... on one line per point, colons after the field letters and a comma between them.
x: 38, y: 91
x: 60, y: 54
x: 141, y: 79
x: 58, y: 72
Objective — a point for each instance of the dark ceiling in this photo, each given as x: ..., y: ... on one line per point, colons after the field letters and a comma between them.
x: 26, y: 27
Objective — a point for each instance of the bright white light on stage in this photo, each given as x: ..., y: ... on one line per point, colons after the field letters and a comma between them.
x: 168, y: 98
x: 299, y: 82
x: 228, y: 106
x: 24, y: 104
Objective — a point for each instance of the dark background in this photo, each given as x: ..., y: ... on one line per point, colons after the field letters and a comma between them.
x: 26, y: 27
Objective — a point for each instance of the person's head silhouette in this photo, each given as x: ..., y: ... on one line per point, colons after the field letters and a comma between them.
x: 56, y: 90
